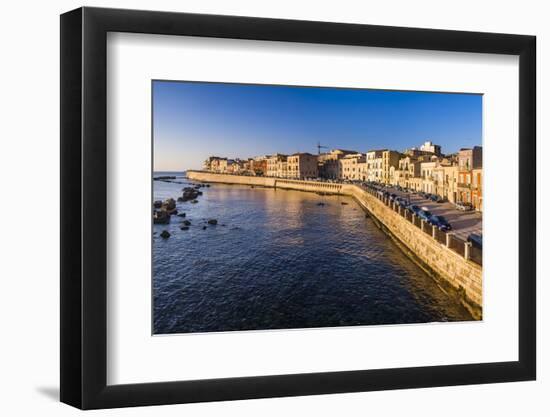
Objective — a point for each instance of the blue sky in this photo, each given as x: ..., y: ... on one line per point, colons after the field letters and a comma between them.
x: 192, y: 120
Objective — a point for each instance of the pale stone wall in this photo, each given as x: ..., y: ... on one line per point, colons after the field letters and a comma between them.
x: 312, y: 186
x: 230, y: 179
x: 461, y: 274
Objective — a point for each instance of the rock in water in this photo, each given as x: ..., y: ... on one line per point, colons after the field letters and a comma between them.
x: 212, y: 221
x: 164, y: 177
x: 186, y: 223
x: 204, y: 228
x: 165, y: 234
x: 181, y: 214
x: 194, y: 201
x: 169, y: 204
x: 189, y: 193
x: 161, y: 217
x: 157, y: 204
x: 184, y: 227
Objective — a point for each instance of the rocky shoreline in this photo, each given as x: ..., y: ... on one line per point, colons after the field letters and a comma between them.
x: 164, y: 211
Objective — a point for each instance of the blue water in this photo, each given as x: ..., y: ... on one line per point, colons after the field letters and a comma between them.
x: 278, y: 260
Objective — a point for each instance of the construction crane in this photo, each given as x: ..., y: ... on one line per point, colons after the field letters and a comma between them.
x: 319, y: 146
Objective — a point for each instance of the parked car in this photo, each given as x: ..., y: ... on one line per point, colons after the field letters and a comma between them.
x: 424, y: 215
x: 402, y: 202
x: 476, y: 240
x: 463, y: 206
x: 440, y: 222
x: 436, y: 198
x: 413, y: 208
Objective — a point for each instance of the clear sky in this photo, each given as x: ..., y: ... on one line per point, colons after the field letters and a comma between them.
x: 193, y: 120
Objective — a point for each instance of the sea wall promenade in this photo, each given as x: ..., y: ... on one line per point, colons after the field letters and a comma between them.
x: 438, y: 253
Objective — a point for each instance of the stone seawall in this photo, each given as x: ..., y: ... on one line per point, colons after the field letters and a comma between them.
x: 230, y: 179
x: 445, y: 265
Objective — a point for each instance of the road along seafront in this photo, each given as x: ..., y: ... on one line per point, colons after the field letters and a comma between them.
x: 436, y: 252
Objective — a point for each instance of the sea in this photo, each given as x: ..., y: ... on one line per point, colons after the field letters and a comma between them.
x: 280, y: 259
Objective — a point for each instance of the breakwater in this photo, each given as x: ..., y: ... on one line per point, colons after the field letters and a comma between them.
x: 418, y: 240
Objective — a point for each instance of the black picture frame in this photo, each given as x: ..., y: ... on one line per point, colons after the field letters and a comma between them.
x: 84, y: 207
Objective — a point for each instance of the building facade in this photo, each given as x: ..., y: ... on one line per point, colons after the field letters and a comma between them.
x: 302, y: 165
x: 273, y: 164
x: 469, y: 159
x: 352, y: 167
x: 477, y: 189
x: 329, y: 165
x: 219, y: 165
x: 389, y: 159
x: 282, y: 168
x: 374, y: 166
x: 258, y: 165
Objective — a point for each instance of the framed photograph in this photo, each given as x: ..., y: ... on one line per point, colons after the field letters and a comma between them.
x: 256, y: 208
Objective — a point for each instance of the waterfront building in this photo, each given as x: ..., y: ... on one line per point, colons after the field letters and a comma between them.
x: 258, y: 165
x: 362, y: 168
x: 237, y: 166
x: 407, y: 167
x: 207, y: 164
x: 374, y: 165
x: 395, y: 176
x: 215, y: 164
x: 219, y: 165
x: 353, y: 167
x: 469, y: 159
x: 282, y: 168
x: 302, y: 165
x: 450, y: 182
x: 328, y: 163
x: 440, y: 177
x: 272, y: 164
x: 426, y: 171
x: 415, y: 183
x: 390, y: 159
x: 477, y: 189
x: 231, y: 166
